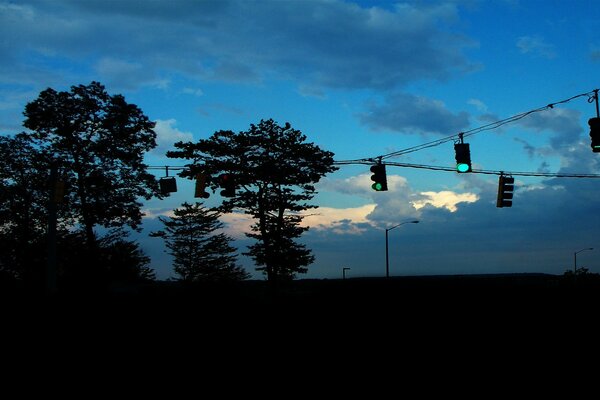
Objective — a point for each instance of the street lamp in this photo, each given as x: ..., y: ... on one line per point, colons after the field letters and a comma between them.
x: 387, y: 257
x: 344, y: 272
x: 575, y: 259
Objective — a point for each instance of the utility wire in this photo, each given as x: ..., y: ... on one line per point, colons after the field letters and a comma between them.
x: 474, y: 171
x: 493, y: 125
x: 487, y: 127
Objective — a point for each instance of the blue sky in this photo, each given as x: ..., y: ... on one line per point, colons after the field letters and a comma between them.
x: 360, y: 79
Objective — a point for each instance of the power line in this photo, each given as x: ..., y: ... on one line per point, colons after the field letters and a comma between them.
x: 370, y: 161
x: 592, y: 95
x: 486, y: 127
x: 473, y: 171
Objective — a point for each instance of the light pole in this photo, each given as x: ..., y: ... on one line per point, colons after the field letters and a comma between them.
x: 344, y: 272
x: 575, y: 259
x: 387, y: 257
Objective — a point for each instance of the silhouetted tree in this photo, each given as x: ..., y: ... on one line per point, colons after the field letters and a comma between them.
x: 23, y: 201
x: 99, y: 142
x: 274, y: 171
x: 117, y: 260
x: 199, y: 254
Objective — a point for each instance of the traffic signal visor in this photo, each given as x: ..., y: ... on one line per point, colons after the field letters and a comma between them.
x: 226, y: 182
x: 506, y: 185
x: 463, y: 157
x: 379, y: 178
x: 200, y: 190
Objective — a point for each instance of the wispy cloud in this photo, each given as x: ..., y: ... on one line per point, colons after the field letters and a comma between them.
x: 536, y: 46
x: 478, y: 104
x: 406, y: 113
x: 167, y: 134
x: 340, y: 220
x: 445, y: 199
x: 330, y: 44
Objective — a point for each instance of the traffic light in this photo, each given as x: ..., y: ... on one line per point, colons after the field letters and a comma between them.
x: 506, y: 185
x: 200, y: 191
x: 379, y: 177
x: 463, y: 157
x: 167, y: 184
x: 594, y: 124
x: 227, y: 183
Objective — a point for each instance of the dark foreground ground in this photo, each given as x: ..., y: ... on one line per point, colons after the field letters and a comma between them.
x: 466, y: 297
x: 455, y: 318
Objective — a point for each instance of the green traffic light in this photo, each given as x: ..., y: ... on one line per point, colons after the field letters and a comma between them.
x: 377, y: 186
x: 462, y: 167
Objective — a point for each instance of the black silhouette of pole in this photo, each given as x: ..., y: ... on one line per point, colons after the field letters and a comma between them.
x: 387, y: 257
x: 575, y: 259
x: 51, y: 260
x: 344, y: 272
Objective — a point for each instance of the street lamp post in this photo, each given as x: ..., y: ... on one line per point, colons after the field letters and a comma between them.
x: 575, y: 259
x: 344, y: 272
x: 387, y: 257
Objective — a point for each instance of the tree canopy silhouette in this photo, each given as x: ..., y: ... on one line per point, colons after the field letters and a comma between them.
x: 273, y: 171
x: 98, y: 141
x: 199, y: 254
x: 23, y: 199
x: 93, y: 144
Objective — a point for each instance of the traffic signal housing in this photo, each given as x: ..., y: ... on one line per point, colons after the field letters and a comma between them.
x: 200, y: 190
x: 463, y: 157
x: 594, y: 124
x: 506, y: 185
x: 227, y: 183
x: 379, y: 178
x: 167, y: 184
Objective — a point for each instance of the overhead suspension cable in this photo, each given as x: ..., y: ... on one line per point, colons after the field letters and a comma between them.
x: 486, y: 127
x: 474, y: 171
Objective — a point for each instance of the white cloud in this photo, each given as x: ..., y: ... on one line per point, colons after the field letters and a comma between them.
x: 400, y: 201
x: 237, y: 224
x: 536, y: 46
x: 340, y: 220
x: 478, y: 104
x: 167, y: 134
x: 192, y: 91
x: 445, y: 199
x: 158, y: 212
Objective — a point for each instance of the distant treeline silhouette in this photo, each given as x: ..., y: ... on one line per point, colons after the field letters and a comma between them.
x: 79, y: 167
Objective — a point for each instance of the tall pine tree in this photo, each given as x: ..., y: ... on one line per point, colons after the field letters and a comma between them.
x: 199, y: 253
x: 272, y: 170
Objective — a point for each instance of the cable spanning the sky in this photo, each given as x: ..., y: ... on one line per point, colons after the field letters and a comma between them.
x: 473, y: 171
x: 486, y: 127
x: 591, y: 95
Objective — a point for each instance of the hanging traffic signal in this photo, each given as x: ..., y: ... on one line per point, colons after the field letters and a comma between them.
x: 379, y: 177
x: 200, y: 191
x: 167, y: 184
x: 463, y: 157
x: 594, y: 124
x: 227, y: 183
x: 506, y: 185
